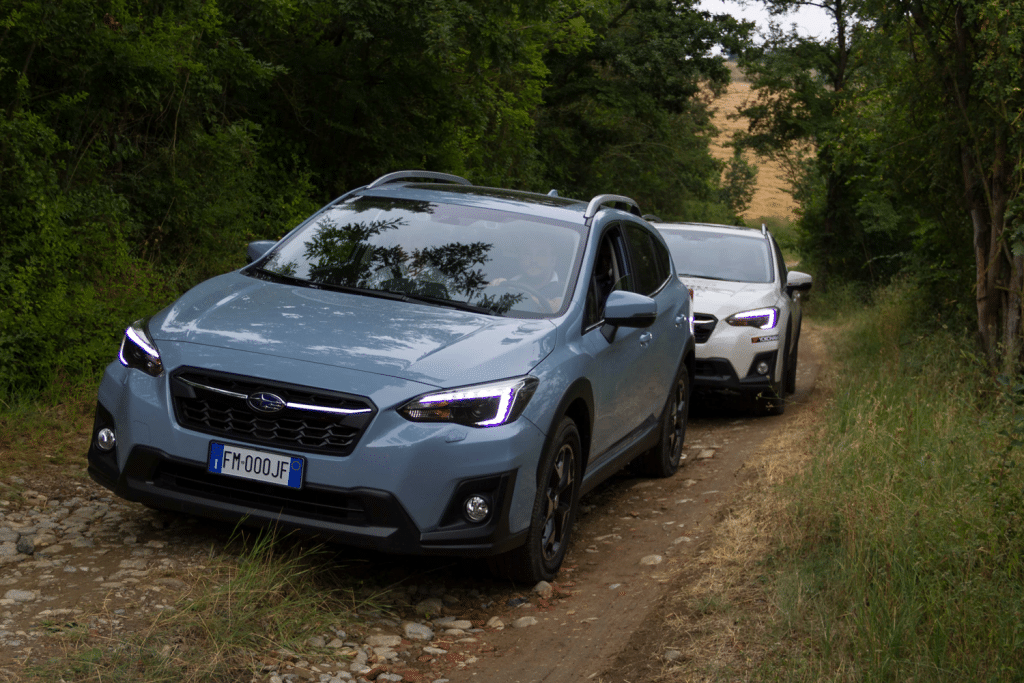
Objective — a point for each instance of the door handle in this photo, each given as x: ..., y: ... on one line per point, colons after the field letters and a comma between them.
x: 646, y: 338
x: 680, y: 319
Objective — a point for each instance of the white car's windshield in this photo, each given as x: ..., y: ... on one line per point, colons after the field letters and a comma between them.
x: 717, y: 256
x: 498, y: 261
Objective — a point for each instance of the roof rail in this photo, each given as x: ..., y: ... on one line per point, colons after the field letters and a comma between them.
x: 553, y: 193
x: 764, y: 230
x: 651, y: 218
x: 422, y: 175
x: 610, y: 199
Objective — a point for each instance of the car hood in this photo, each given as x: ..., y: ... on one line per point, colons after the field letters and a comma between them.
x: 430, y: 344
x: 722, y: 298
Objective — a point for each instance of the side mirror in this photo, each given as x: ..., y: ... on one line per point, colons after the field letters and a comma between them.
x: 256, y: 250
x: 798, y: 282
x: 629, y: 309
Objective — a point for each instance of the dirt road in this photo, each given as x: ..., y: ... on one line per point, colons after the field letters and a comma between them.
x: 629, y: 547
x: 113, y: 564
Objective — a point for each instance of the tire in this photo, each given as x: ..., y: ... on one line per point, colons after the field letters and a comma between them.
x: 663, y: 460
x: 772, y: 401
x: 791, y: 367
x: 554, y: 512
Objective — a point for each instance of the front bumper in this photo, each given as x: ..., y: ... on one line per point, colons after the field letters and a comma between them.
x: 401, y: 490
x: 719, y: 374
x: 359, y: 517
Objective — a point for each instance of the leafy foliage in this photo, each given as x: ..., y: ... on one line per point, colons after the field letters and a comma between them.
x: 143, y: 143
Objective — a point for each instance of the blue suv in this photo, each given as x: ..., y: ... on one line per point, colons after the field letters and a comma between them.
x: 423, y: 366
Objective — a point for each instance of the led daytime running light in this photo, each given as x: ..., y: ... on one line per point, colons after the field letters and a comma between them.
x: 143, y: 343
x: 762, y: 318
x: 503, y: 394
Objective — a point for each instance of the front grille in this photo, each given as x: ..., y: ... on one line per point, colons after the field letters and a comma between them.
x: 314, y: 421
x: 309, y: 502
x: 703, y: 326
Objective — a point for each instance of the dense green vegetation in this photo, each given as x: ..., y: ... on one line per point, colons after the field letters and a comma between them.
x: 144, y: 142
x: 904, y: 134
x: 902, y: 554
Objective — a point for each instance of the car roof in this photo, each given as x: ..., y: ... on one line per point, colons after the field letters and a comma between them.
x: 450, y: 189
x: 714, y: 227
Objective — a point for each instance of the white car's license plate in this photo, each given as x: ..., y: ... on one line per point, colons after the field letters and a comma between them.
x: 247, y: 463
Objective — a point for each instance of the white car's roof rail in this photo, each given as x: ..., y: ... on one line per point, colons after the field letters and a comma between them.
x: 610, y: 199
x: 417, y: 175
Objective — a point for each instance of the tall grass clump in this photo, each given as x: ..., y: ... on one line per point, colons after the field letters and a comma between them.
x: 905, y: 556
x: 241, y: 612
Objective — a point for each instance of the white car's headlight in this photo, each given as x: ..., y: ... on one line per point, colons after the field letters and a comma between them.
x: 762, y: 318
x: 483, y: 405
x: 138, y: 350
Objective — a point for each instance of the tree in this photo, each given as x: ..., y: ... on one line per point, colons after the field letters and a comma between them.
x: 626, y: 111
x: 958, y: 69
x: 801, y: 84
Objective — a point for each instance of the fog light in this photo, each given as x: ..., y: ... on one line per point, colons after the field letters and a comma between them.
x: 762, y: 368
x: 105, y: 439
x: 477, y: 508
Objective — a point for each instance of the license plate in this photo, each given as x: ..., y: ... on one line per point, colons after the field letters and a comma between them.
x: 247, y: 463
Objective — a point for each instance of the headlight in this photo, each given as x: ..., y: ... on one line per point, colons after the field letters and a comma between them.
x: 484, y: 405
x: 138, y: 350
x: 763, y: 318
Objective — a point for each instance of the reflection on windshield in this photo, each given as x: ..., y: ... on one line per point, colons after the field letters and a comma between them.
x: 736, y: 258
x: 503, y: 262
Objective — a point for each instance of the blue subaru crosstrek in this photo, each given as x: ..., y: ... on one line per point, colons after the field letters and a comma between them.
x: 423, y: 366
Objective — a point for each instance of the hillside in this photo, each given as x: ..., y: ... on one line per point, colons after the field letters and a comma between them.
x: 770, y: 198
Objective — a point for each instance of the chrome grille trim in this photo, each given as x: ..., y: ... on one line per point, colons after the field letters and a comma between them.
x: 288, y: 404
x: 703, y: 326
x: 310, y: 420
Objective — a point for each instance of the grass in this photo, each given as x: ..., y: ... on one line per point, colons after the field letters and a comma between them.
x: 883, y: 541
x: 52, y: 430
x: 906, y: 517
x: 239, y: 615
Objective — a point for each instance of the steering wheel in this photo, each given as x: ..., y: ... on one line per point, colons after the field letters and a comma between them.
x: 543, y: 305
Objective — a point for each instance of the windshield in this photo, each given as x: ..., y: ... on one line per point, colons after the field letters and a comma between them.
x: 499, y: 262
x: 737, y: 258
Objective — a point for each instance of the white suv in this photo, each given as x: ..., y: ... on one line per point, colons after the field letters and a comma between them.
x: 746, y: 310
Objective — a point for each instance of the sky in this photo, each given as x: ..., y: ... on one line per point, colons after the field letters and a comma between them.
x: 811, y: 21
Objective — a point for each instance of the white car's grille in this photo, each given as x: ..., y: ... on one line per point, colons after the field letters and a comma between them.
x: 703, y: 326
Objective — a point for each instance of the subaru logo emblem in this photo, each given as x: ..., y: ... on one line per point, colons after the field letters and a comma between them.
x: 265, y: 402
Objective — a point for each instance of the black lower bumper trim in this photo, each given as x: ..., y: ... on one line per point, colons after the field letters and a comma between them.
x: 361, y: 517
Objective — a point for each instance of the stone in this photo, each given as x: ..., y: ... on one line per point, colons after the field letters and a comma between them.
x: 21, y: 595
x: 381, y: 640
x: 524, y: 622
x: 431, y: 607
x: 414, y: 631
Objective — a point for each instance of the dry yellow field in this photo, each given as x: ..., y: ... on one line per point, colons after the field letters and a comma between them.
x: 770, y: 198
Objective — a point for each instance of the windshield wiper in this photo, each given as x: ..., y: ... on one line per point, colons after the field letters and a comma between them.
x: 265, y: 274
x: 704, y: 277
x: 392, y: 295
x: 449, y: 303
